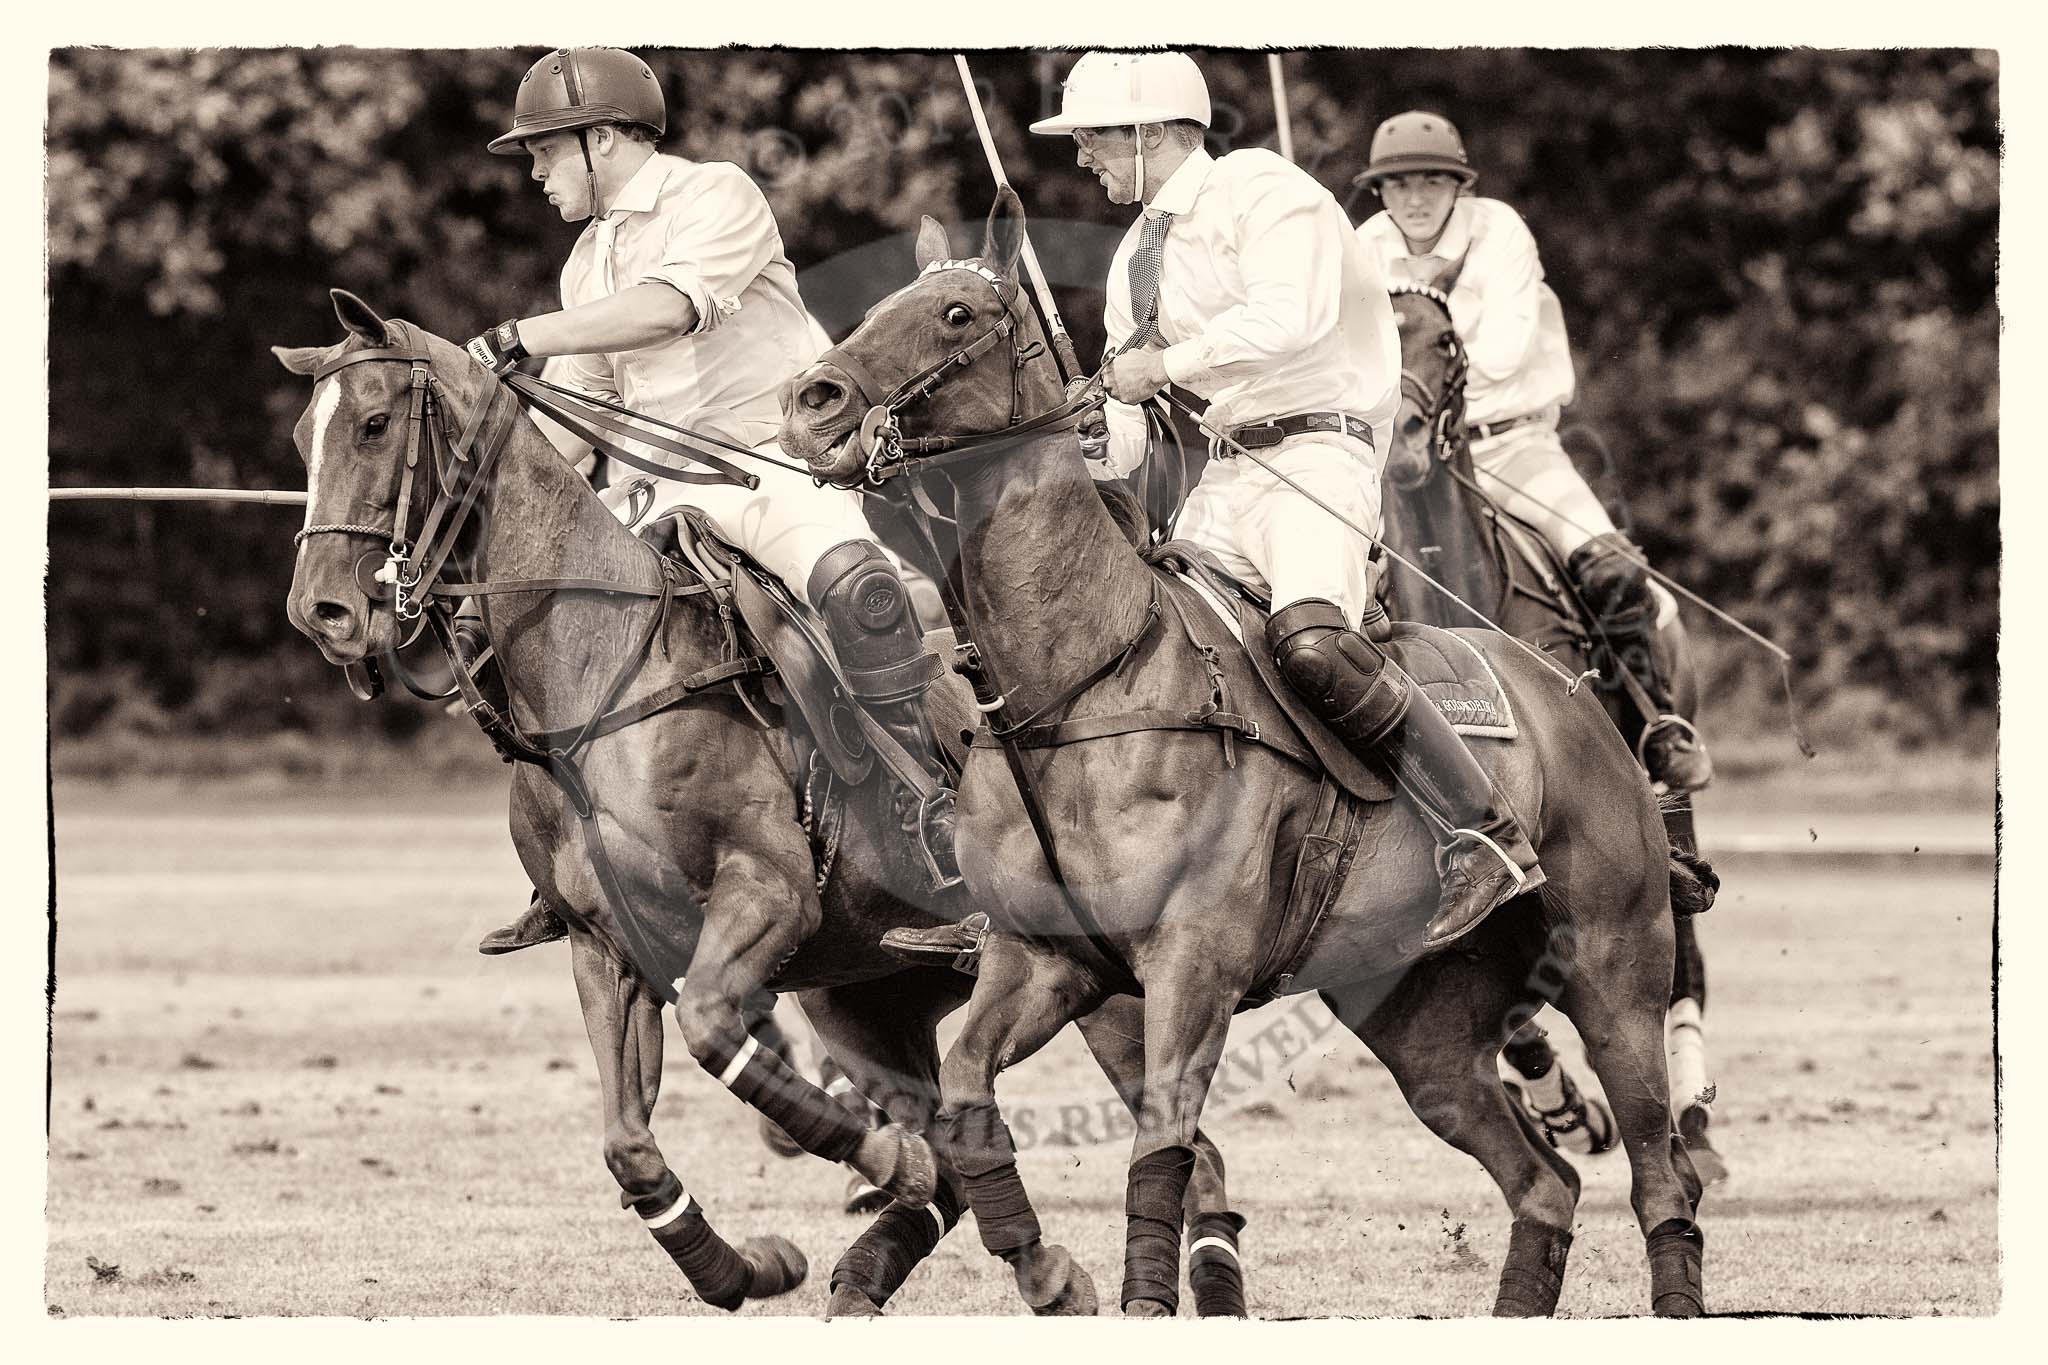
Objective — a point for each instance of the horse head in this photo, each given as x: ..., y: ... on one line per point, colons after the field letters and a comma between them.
x: 929, y: 359
x: 357, y: 436
x: 1431, y: 422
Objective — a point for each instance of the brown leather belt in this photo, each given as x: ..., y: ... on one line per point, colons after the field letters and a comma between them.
x: 1262, y: 435
x: 1486, y: 431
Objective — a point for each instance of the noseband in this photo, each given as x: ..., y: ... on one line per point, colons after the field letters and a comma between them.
x: 1443, y: 410
x: 411, y: 567
x: 889, y: 451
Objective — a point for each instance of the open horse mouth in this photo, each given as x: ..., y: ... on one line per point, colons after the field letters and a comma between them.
x: 822, y: 422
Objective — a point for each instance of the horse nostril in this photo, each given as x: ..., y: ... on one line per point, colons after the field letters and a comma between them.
x: 330, y: 613
x: 1412, y: 428
x: 821, y: 394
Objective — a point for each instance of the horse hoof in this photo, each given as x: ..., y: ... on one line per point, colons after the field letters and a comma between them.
x: 899, y: 1161
x: 778, y: 1141
x: 1676, y: 1251
x: 849, y: 1302
x: 774, y: 1266
x: 1069, y: 1291
x: 864, y: 1196
x: 1147, y: 1308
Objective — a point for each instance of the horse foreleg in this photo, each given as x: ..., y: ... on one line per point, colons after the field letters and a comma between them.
x: 1189, y: 992
x: 623, y: 1019
x: 751, y: 927
x: 1022, y: 997
x: 885, y: 1035
x: 1115, y: 1034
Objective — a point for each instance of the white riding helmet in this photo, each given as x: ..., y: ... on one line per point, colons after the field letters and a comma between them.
x: 1111, y: 89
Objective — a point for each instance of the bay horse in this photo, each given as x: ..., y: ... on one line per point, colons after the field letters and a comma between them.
x: 1175, y: 853
x: 1439, y: 519
x: 708, y: 886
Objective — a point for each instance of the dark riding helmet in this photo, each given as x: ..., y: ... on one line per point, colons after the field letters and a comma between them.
x: 580, y: 87
x: 1417, y: 141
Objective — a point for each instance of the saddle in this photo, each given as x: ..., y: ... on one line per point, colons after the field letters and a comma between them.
x: 1446, y: 668
x: 806, y: 673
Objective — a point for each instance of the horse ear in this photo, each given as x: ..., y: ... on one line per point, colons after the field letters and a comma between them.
x: 359, y: 317
x: 1447, y: 279
x: 1004, y: 241
x: 931, y: 243
x: 299, y: 359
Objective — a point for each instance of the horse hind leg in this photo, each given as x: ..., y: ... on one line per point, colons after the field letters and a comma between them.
x: 1115, y: 1034
x: 623, y: 1019
x: 1616, y: 998
x: 1438, y: 1030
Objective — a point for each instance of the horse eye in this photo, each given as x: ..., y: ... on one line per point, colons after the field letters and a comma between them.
x: 958, y: 315
x: 374, y: 428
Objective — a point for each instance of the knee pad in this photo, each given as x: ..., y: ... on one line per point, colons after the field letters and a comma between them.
x: 867, y: 610
x: 1338, y: 672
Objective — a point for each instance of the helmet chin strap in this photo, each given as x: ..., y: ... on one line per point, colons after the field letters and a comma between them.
x: 1138, y: 145
x: 590, y: 171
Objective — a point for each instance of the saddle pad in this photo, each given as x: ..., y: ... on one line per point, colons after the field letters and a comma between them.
x: 1456, y: 678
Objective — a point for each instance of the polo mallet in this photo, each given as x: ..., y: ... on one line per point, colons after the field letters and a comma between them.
x: 1062, y: 345
x: 1280, y: 104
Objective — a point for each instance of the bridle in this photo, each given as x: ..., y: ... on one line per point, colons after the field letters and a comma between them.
x: 1444, y: 410
x: 460, y: 462
x: 889, y: 452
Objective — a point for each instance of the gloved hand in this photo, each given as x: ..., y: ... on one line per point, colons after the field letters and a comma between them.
x: 499, y: 349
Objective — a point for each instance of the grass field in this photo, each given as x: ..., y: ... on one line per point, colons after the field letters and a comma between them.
x: 284, y: 1083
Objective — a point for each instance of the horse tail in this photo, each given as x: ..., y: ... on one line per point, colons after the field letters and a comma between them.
x: 1693, y: 883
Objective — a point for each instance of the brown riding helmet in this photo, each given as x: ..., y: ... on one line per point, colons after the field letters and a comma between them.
x: 581, y: 87
x: 1417, y: 141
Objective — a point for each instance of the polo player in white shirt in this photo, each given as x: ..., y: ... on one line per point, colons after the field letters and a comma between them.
x: 1479, y: 251
x: 678, y: 301
x: 1243, y: 283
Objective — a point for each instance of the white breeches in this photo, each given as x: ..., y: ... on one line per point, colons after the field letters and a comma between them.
x: 1528, y: 473
x: 1269, y: 535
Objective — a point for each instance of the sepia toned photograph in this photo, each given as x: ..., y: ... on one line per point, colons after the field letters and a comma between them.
x: 632, y: 634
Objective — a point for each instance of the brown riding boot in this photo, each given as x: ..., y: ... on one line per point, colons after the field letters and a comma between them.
x: 537, y: 926
x: 1483, y: 857
x: 874, y: 633
x: 1608, y: 571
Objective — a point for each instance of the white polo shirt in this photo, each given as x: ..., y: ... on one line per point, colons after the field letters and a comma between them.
x: 1268, y: 304
x: 1508, y: 318
x: 704, y: 229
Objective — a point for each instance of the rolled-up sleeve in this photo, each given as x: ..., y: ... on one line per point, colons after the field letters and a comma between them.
x: 1292, y: 272
x: 1499, y: 298
x: 716, y: 239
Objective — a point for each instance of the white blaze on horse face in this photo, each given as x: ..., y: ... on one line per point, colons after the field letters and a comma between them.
x: 326, y: 401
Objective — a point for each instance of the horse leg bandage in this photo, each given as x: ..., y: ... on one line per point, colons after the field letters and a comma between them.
x: 1214, y: 1271
x: 1534, y: 1273
x: 882, y: 1258
x: 707, y: 1260
x: 814, y: 1120
x: 1152, y: 1207
x: 979, y: 1143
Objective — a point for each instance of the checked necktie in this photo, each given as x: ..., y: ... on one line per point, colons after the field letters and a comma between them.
x: 1144, y: 270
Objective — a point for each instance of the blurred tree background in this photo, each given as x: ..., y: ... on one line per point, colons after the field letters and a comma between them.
x: 1778, y: 269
